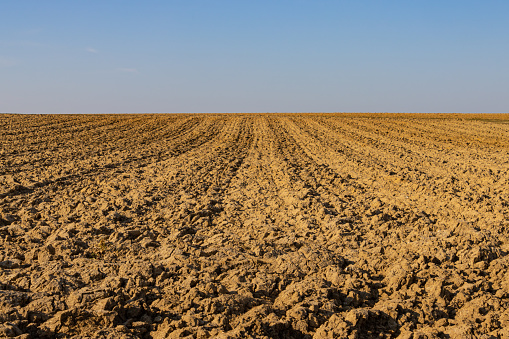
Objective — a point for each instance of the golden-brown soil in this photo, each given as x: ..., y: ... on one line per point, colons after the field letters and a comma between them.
x: 254, y: 226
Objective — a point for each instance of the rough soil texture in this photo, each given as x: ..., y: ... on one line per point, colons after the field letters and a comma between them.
x: 254, y: 226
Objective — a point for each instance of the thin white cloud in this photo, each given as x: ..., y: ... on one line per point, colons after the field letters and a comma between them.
x: 92, y: 50
x: 7, y: 62
x: 128, y: 70
x: 24, y: 43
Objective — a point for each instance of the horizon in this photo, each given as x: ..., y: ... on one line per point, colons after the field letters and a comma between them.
x: 481, y: 116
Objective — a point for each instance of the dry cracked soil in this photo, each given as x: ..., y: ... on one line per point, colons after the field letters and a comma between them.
x: 254, y: 226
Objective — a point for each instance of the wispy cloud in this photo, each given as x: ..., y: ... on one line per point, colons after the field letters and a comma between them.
x: 128, y: 70
x: 92, y: 50
x: 24, y: 43
x: 7, y: 62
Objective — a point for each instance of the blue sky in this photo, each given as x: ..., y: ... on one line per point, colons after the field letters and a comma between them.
x: 254, y: 56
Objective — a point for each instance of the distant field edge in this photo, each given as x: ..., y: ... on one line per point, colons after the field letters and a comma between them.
x: 494, y: 117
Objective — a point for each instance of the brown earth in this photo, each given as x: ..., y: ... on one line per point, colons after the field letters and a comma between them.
x: 254, y: 226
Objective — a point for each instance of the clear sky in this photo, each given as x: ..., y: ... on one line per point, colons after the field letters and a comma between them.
x: 254, y: 56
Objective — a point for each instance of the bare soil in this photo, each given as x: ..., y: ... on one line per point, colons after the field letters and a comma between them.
x: 254, y: 226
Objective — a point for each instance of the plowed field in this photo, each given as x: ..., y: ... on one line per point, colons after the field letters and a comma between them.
x: 254, y: 226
